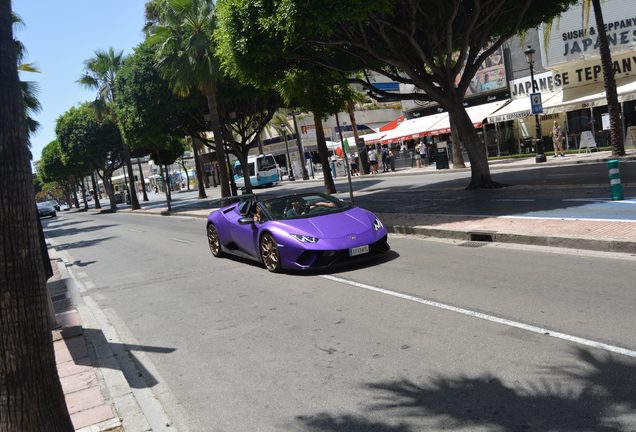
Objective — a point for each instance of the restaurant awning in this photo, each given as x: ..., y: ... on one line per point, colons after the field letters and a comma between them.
x: 477, y: 115
x: 373, y: 138
x: 413, y: 128
x: 392, y: 125
x: 576, y: 98
x: 516, y: 109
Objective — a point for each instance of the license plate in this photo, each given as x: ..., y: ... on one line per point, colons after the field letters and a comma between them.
x: 358, y: 250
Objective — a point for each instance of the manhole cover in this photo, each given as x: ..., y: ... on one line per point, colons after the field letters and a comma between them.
x: 473, y: 244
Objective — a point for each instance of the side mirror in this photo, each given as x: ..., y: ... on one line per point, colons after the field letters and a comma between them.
x: 245, y: 221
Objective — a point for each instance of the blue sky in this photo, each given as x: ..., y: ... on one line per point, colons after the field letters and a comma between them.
x: 61, y: 34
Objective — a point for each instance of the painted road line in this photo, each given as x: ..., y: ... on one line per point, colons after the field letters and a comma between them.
x: 181, y: 241
x: 491, y: 318
x: 134, y: 230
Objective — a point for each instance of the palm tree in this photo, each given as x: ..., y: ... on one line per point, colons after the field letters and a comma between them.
x: 30, y: 90
x: 100, y: 74
x: 30, y: 391
x: 186, y: 59
x: 613, y: 107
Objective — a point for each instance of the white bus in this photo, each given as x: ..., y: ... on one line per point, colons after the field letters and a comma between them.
x: 262, y: 171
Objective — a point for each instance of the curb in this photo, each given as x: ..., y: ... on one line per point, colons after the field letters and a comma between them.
x: 115, y: 387
x: 603, y: 244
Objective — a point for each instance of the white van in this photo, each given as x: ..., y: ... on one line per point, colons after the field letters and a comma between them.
x: 262, y: 171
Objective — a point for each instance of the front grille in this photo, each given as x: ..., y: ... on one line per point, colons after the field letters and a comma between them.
x: 316, y: 259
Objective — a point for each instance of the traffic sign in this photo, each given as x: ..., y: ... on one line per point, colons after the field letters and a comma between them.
x: 537, y: 106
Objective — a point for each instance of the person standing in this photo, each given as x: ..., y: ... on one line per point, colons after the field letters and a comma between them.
x: 373, y: 161
x: 391, y: 158
x: 557, y: 139
x: 418, y: 155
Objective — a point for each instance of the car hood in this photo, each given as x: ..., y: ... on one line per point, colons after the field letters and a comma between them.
x: 338, y: 225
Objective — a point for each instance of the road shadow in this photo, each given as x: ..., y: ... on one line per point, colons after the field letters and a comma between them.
x: 598, y: 396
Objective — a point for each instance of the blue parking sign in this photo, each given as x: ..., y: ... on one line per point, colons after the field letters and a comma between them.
x: 537, y: 106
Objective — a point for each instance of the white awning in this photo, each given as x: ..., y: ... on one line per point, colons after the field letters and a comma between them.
x: 477, y: 115
x: 517, y: 109
x: 576, y: 98
x: 373, y: 138
x: 413, y: 128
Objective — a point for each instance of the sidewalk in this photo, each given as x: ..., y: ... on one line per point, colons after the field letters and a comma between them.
x: 98, y: 397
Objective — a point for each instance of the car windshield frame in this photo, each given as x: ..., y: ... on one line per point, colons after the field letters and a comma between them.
x: 278, y: 207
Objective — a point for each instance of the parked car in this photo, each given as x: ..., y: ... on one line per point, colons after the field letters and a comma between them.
x: 55, y: 204
x: 46, y: 209
x: 300, y: 231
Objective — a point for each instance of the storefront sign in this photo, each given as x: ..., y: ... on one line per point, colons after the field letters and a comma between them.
x: 572, y: 41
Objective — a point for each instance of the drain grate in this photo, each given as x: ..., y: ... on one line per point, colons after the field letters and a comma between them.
x: 473, y: 244
x: 58, y: 297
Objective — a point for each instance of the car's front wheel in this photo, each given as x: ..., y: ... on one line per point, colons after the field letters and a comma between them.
x: 270, y: 253
x: 214, y: 242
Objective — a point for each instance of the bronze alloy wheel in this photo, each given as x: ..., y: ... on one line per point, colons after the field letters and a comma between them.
x: 213, y: 241
x: 270, y: 254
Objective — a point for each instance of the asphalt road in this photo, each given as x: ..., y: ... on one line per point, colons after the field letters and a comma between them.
x: 432, y: 336
x: 573, y: 191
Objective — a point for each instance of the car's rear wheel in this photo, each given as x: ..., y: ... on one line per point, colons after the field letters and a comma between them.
x: 214, y: 242
x: 270, y: 253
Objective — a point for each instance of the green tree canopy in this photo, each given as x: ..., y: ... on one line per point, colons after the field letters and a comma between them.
x: 435, y: 45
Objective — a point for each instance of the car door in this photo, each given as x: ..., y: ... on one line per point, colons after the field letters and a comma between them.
x: 244, y: 236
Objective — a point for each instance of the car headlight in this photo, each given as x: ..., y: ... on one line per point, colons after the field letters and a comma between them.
x: 304, y: 238
x: 377, y: 224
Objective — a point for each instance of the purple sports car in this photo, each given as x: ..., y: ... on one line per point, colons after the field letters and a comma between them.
x: 300, y: 231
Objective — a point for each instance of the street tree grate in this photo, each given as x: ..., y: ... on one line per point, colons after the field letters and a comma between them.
x: 473, y: 244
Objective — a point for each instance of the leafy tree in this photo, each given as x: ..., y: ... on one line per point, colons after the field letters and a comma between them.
x: 52, y: 168
x: 436, y: 45
x: 31, y: 397
x: 244, y: 111
x: 84, y: 140
x: 100, y: 74
x: 149, y: 111
x: 186, y: 59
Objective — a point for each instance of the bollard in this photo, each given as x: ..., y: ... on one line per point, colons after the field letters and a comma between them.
x: 616, y: 188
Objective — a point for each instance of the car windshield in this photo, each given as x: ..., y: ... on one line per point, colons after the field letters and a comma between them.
x: 43, y: 205
x: 307, y: 205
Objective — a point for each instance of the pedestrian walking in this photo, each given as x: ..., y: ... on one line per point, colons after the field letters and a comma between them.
x: 385, y: 160
x: 557, y: 139
x: 353, y: 163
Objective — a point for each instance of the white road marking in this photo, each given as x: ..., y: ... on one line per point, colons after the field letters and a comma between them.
x: 134, y: 230
x: 491, y: 318
x: 181, y: 241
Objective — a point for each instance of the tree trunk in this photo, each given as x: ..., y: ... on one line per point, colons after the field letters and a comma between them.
x: 143, y: 182
x: 458, y: 157
x: 354, y: 125
x: 95, y: 195
x: 480, y: 171
x: 108, y: 187
x: 166, y: 185
x: 31, y: 397
x: 613, y: 107
x: 301, y: 152
x: 323, y: 152
x: 215, y: 124
x: 199, y: 169
x: 132, y: 190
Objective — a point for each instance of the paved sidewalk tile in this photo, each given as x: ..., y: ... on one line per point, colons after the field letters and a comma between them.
x: 92, y: 416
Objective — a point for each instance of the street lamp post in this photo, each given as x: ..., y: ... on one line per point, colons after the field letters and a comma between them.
x: 540, y: 156
x: 290, y: 171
